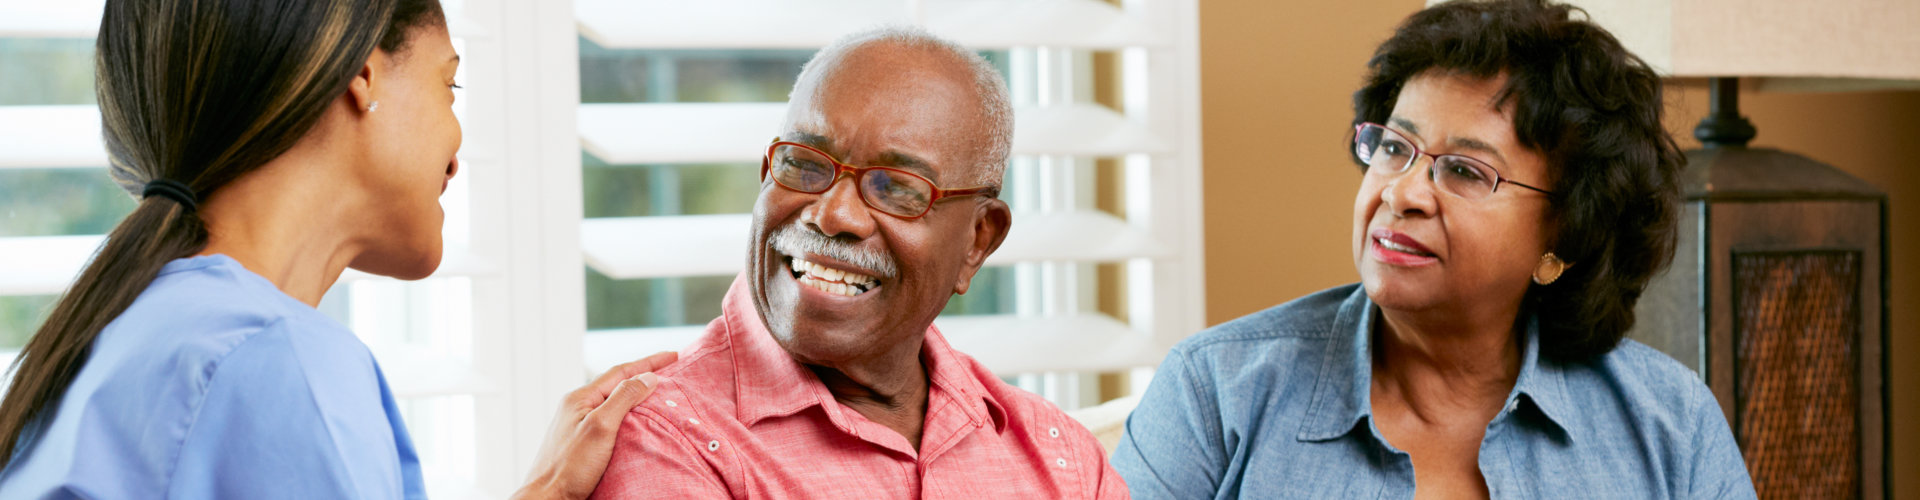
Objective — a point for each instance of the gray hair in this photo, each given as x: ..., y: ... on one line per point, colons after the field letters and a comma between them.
x: 996, y: 106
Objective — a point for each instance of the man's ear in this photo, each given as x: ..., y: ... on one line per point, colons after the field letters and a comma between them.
x: 990, y: 225
x: 360, y: 89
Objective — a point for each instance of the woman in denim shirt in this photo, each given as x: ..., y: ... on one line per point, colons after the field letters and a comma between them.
x: 1519, y: 190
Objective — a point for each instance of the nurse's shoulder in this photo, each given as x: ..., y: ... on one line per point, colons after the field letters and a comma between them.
x: 211, y: 369
x: 201, y: 311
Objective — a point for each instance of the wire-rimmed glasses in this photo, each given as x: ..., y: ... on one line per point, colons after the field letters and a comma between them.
x: 1389, y: 153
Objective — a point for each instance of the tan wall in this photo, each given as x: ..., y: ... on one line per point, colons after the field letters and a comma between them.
x: 1276, y: 78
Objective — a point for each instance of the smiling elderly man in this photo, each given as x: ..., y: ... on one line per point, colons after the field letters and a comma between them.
x: 824, y: 376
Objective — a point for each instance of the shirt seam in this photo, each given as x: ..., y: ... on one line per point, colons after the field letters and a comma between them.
x: 945, y: 444
x: 666, y: 425
x: 1337, y: 348
x: 1213, y: 340
x: 1314, y: 430
x: 752, y: 414
x: 274, y: 300
x: 956, y: 390
x: 1090, y: 469
x: 277, y: 325
x: 1550, y: 385
x: 957, y: 373
x: 1693, y: 452
x: 200, y: 400
x: 1216, y: 434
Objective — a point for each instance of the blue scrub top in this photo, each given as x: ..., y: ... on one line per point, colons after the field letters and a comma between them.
x: 215, y: 384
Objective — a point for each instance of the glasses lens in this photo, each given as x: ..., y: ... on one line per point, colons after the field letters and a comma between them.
x: 1383, y: 150
x: 801, y: 169
x: 1464, y: 177
x: 895, y: 192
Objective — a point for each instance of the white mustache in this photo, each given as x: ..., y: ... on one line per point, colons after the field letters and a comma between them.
x: 794, y: 240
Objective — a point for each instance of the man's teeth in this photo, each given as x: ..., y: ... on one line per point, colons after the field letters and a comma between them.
x: 831, y: 280
x: 1398, y: 247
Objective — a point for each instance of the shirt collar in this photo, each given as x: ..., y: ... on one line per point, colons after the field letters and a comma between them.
x: 770, y: 383
x: 1342, y: 396
x: 1543, y: 384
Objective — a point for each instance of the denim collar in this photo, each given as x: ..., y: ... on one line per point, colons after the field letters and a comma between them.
x: 1341, y: 397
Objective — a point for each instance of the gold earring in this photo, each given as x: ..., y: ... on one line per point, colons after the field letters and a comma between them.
x: 1549, y: 269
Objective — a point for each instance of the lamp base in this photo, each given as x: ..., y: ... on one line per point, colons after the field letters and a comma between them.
x: 1723, y: 126
x: 1777, y: 295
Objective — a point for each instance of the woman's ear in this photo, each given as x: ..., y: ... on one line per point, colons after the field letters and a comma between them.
x: 361, y: 90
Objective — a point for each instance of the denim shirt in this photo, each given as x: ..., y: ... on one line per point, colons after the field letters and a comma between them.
x: 1276, y: 405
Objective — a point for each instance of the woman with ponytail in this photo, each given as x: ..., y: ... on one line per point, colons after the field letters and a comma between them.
x: 272, y: 144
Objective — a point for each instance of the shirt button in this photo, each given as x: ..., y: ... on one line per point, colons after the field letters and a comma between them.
x: 670, y: 404
x: 713, y: 446
x: 1055, y: 432
x: 1060, y: 462
x: 1513, y: 405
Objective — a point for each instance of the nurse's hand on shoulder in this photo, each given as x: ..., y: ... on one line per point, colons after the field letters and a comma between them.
x: 580, y: 442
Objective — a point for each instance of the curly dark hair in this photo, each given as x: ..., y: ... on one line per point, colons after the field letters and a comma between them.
x: 1593, y: 110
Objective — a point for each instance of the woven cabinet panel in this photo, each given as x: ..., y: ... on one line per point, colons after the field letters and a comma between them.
x: 1796, y: 371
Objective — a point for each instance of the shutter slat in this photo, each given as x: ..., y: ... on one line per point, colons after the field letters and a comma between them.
x: 410, y: 373
x: 46, y: 265
x: 636, y: 134
x: 81, y: 19
x: 66, y: 136
x: 715, y: 245
x: 779, y: 24
x: 58, y: 19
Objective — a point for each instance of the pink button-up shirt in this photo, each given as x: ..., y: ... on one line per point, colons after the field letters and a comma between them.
x: 737, y: 417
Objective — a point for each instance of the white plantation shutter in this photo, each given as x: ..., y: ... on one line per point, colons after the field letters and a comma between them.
x: 1057, y: 134
x: 481, y: 352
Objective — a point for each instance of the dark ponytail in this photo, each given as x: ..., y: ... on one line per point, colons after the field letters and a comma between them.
x: 193, y: 94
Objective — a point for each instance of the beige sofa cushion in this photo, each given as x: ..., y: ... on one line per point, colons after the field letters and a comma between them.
x: 1107, y: 421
